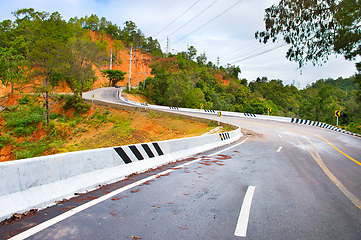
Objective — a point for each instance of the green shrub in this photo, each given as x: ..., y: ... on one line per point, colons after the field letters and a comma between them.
x: 212, y: 124
x: 76, y: 103
x: 353, y: 127
x: 153, y: 115
x: 5, y: 139
x: 24, y: 100
x: 23, y: 119
x: 99, y: 118
x: 29, y: 149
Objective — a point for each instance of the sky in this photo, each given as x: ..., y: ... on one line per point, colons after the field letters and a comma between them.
x: 222, y: 29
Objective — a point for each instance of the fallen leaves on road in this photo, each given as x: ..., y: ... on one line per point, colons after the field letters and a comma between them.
x: 223, y: 157
x: 132, y: 237
x: 113, y: 214
x: 135, y: 191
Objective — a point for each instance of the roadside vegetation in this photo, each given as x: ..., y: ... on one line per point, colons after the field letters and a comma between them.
x: 180, y: 81
x: 78, y: 126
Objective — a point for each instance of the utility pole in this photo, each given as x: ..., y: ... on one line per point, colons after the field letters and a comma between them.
x: 143, y: 80
x: 130, y: 66
x: 138, y: 79
x: 167, y: 46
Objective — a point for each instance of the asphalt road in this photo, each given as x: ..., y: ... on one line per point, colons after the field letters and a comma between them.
x: 299, y: 181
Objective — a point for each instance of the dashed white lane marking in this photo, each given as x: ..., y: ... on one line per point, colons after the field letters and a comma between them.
x: 279, y: 149
x: 279, y: 135
x: 242, y: 224
x: 34, y: 230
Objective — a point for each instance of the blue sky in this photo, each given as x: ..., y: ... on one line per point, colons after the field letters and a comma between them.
x: 218, y: 29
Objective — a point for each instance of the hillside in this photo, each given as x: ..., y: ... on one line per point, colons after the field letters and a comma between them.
x: 140, y: 70
x: 24, y: 134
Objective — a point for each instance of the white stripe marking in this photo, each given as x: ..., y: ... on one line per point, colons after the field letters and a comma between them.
x: 279, y: 135
x: 279, y: 149
x: 34, y: 230
x: 242, y: 224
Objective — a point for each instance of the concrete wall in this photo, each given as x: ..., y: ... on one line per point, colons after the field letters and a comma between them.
x: 39, y: 182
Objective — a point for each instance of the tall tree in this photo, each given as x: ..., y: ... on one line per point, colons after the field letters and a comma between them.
x: 12, y: 67
x: 114, y: 76
x: 47, y: 35
x: 192, y: 52
x: 315, y: 29
x: 84, y: 53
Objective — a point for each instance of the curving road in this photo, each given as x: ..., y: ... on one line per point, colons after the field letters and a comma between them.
x: 281, y: 181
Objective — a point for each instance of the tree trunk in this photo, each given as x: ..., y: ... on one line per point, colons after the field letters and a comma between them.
x: 47, y: 100
x: 82, y: 90
x: 47, y: 107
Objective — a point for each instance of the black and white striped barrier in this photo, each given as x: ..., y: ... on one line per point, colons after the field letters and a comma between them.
x: 322, y: 125
x: 249, y: 114
x: 141, y: 152
x: 209, y: 111
x: 174, y: 108
x: 38, y: 182
x: 224, y: 136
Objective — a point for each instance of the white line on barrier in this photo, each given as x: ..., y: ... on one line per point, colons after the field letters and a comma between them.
x: 34, y: 230
x: 242, y: 224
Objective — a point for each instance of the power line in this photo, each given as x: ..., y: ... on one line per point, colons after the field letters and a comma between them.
x: 162, y: 13
x: 210, y: 20
x: 253, y: 42
x: 258, y: 54
x: 248, y: 51
x: 192, y: 19
x: 176, y: 19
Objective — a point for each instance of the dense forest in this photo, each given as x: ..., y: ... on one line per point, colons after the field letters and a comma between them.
x: 43, y: 49
x: 184, y: 80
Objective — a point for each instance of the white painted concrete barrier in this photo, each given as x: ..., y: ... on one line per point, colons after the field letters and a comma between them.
x: 39, y: 182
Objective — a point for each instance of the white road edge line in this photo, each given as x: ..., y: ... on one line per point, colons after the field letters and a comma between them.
x: 242, y: 224
x: 34, y: 230
x: 279, y: 149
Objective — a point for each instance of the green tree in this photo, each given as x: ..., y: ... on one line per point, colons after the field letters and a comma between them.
x: 114, y: 76
x: 6, y: 33
x: 129, y: 32
x: 202, y: 59
x: 152, y: 46
x: 232, y: 71
x: 47, y: 35
x: 84, y: 53
x: 91, y: 23
x: 192, y: 52
x: 315, y: 29
x: 12, y: 67
x: 257, y: 106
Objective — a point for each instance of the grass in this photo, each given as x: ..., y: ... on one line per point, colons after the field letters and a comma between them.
x: 24, y: 132
x: 353, y: 127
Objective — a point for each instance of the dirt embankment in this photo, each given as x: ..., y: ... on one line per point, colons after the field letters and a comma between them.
x: 140, y: 65
x: 140, y: 71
